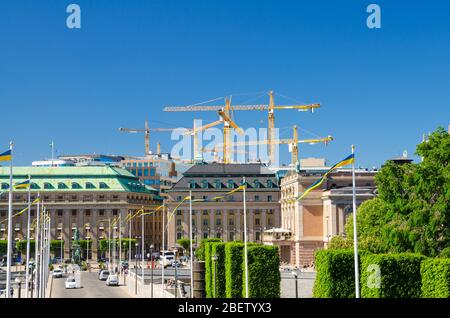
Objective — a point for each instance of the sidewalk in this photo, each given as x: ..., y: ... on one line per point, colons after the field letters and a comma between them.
x: 145, y: 292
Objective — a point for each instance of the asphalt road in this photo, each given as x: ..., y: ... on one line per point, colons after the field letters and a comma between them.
x: 92, y: 287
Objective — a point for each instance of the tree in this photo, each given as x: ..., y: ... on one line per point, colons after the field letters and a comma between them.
x: 412, y: 210
x: 185, y: 243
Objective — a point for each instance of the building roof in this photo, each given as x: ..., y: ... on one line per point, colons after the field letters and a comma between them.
x: 221, y: 169
x: 86, y: 178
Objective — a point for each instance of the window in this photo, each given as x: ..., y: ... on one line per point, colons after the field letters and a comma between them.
x: 205, y: 184
x: 257, y: 222
x: 218, y: 184
x: 257, y: 184
x: 205, y: 212
x: 146, y: 173
x: 48, y: 185
x: 231, y: 236
x: 76, y: 185
x: 140, y: 164
x: 152, y: 172
x: 230, y: 184
x: 257, y: 236
x: 60, y: 212
x: 134, y: 164
x: 179, y: 198
x: 3, y: 213
x: 218, y: 222
x: 115, y: 212
x: 205, y: 197
x: 34, y: 186
x: 74, y: 212
x: 178, y: 235
x: 205, y: 235
x: 218, y: 235
x: 89, y: 185
x: 103, y: 185
x: 231, y: 222
x: 5, y: 186
x: 101, y: 212
x: 178, y: 221
x: 269, y: 198
x: 191, y: 184
x: 269, y: 183
x: 205, y: 222
x: 256, y: 197
x: 87, y: 212
x: 139, y: 173
x: 145, y: 164
x: 62, y: 185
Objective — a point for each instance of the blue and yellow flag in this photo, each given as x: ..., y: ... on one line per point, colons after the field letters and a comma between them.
x: 347, y: 161
x: 6, y: 156
x: 22, y: 185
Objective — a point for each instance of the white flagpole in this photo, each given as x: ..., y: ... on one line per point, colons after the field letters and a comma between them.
x: 245, y: 240
x: 36, y: 248
x: 355, y: 232
x: 142, y: 251
x: 27, y: 269
x: 10, y: 208
x: 163, y: 247
x: 191, y: 255
x: 129, y: 249
x: 120, y: 242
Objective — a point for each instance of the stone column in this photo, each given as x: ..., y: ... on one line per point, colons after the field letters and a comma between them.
x: 199, y: 225
x: 211, y: 223
x: 250, y: 225
x: 225, y: 225
x: 238, y: 233
x: 263, y: 219
x: 186, y: 224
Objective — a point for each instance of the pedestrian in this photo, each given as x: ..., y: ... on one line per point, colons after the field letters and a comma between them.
x: 11, y: 291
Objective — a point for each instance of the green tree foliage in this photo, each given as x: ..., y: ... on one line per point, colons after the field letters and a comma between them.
x: 103, y: 245
x: 435, y: 278
x: 3, y: 247
x: 412, y: 210
x: 185, y: 244
x: 22, y: 246
x: 234, y: 258
x: 55, y: 245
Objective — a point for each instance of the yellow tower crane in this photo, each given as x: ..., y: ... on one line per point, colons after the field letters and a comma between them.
x: 271, y: 107
x: 293, y: 143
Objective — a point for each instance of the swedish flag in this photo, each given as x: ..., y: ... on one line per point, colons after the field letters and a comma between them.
x: 347, y: 161
x: 22, y: 185
x: 6, y: 156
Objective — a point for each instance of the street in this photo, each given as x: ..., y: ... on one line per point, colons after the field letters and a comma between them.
x: 92, y: 287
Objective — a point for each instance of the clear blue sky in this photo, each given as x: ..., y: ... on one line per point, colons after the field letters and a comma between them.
x: 379, y: 89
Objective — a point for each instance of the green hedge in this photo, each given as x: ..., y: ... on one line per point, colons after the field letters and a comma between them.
x: 3, y: 247
x: 234, y: 257
x: 399, y: 276
x: 200, y: 251
x: 218, y: 249
x: 22, y: 246
x: 263, y: 272
x: 435, y: 278
x: 207, y: 247
x: 335, y: 274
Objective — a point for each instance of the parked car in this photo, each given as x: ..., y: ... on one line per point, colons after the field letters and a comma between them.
x: 176, y: 264
x: 71, y: 283
x: 57, y: 273
x: 103, y: 275
x: 112, y: 280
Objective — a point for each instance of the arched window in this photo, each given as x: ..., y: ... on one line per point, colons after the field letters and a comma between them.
x: 76, y: 185
x: 257, y: 184
x: 217, y: 184
x: 191, y: 184
x: 269, y: 183
x: 230, y: 184
x: 62, y: 185
x: 34, y: 186
x: 90, y: 185
x: 103, y: 185
x: 48, y: 185
x: 205, y: 184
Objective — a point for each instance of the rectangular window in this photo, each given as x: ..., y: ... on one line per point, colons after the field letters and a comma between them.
x: 146, y: 173
x: 101, y: 212
x: 60, y: 212
x: 256, y: 197
x: 257, y: 236
x: 256, y: 221
x: 152, y: 172
x: 205, y: 235
x: 178, y: 221
x: 205, y: 222
x: 88, y: 213
x: 178, y: 235
x: 269, y: 198
x: 74, y: 212
x: 115, y: 212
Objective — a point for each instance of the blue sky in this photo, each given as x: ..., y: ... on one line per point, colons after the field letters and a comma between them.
x: 379, y: 89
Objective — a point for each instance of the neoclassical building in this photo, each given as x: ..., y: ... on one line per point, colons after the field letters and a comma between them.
x: 224, y: 218
x: 86, y: 198
x: 308, y: 225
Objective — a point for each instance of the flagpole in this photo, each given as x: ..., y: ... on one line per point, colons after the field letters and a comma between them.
x: 245, y: 240
x: 36, y: 248
x: 27, y: 275
x: 190, y: 244
x: 163, y: 246
x: 355, y: 232
x: 142, y: 250
x: 120, y: 243
x: 10, y: 201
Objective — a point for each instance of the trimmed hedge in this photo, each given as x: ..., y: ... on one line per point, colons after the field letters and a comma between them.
x: 208, y: 266
x: 218, y: 249
x: 435, y: 278
x: 22, y: 246
x: 200, y: 251
x: 3, y: 247
x: 335, y: 274
x: 234, y: 258
x: 263, y: 272
x: 399, y: 275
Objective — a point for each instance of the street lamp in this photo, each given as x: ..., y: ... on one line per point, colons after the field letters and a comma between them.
x: 296, y: 283
x: 214, y: 259
x: 151, y: 262
x: 175, y: 251
x: 19, y: 282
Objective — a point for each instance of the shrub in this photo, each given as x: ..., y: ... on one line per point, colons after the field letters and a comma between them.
x: 234, y: 257
x: 208, y: 266
x: 335, y: 274
x: 218, y: 249
x: 445, y: 253
x: 200, y: 251
x: 435, y: 278
x: 263, y: 272
x: 3, y: 247
x: 339, y: 242
x: 22, y: 246
x: 399, y: 276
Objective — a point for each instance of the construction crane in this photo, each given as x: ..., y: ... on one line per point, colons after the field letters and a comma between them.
x: 271, y: 107
x: 146, y: 132
x: 293, y: 143
x: 228, y: 125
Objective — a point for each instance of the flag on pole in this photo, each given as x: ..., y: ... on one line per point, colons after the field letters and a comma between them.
x: 347, y: 161
x: 22, y: 185
x: 6, y: 156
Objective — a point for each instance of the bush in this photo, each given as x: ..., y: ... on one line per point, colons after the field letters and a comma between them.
x: 208, y: 266
x: 339, y: 242
x: 263, y: 272
x: 218, y: 249
x: 3, y: 247
x: 435, y: 278
x: 335, y: 274
x: 200, y: 251
x: 234, y: 258
x: 445, y: 253
x: 399, y: 276
x: 22, y: 246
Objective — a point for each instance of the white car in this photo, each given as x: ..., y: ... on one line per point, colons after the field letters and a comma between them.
x: 57, y: 273
x: 112, y: 280
x: 103, y: 275
x: 71, y: 283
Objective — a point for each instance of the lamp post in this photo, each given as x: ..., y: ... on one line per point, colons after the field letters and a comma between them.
x: 19, y: 282
x: 151, y: 257
x: 296, y: 283
x: 214, y: 259
x: 175, y: 251
x: 135, y: 267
